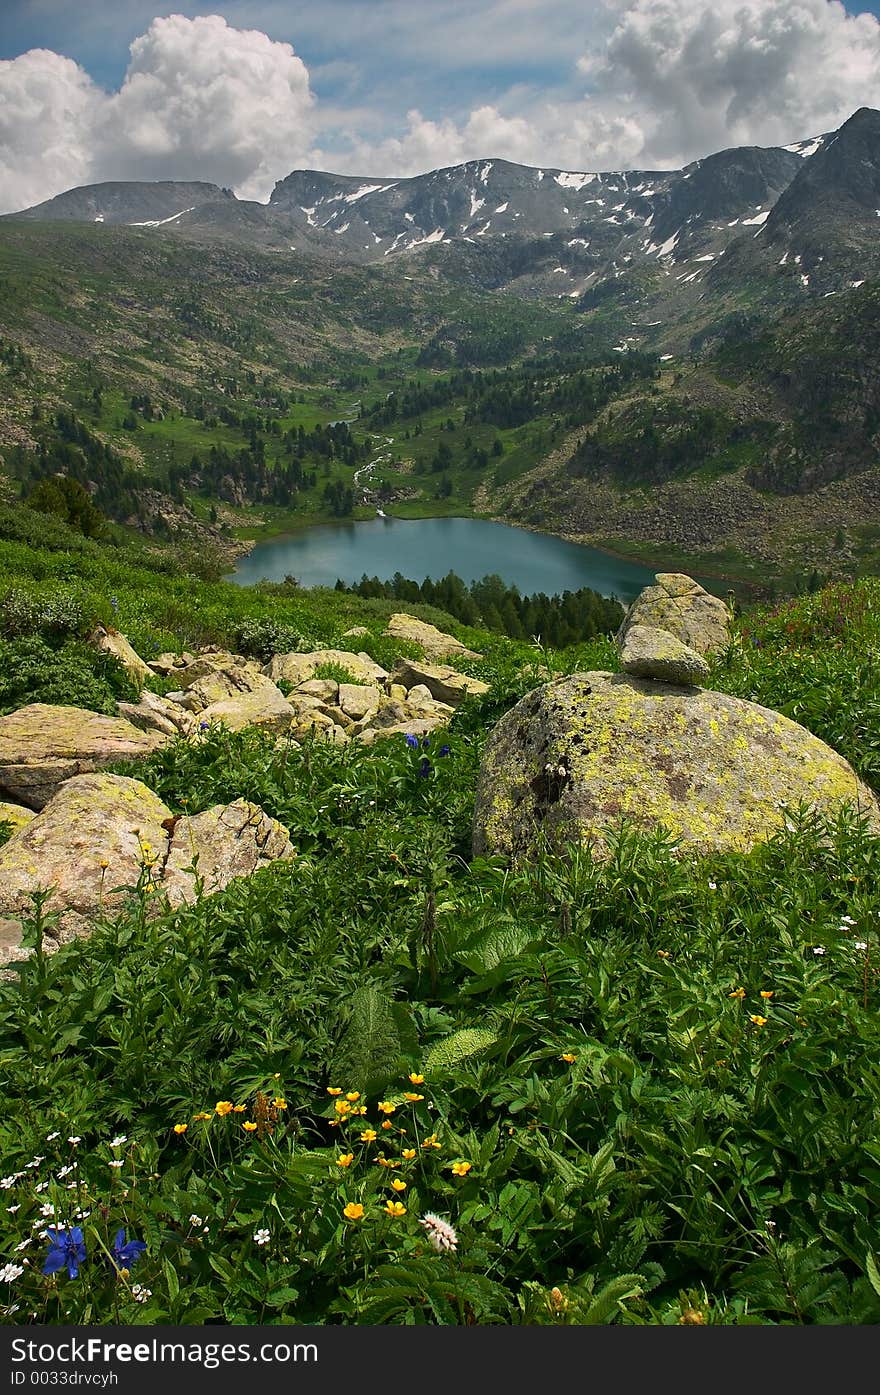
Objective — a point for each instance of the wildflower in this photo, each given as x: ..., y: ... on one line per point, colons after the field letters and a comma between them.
x: 558, y: 1300
x: 75, y: 1139
x: 424, y: 767
x: 66, y: 1250
x: 117, y: 1162
x: 757, y: 1019
x: 196, y: 1220
x: 430, y: 1141
x: 12, y: 1209
x: 63, y: 1172
x: 398, y: 1185
x: 203, y: 1114
x: 440, y: 1233
x: 7, y: 1182
x: 568, y: 1056
x: 395, y: 1208
x: 361, y: 1109
x: 35, y: 1162
x: 767, y: 993
x: 737, y: 993
x: 261, y: 1236
x: 181, y: 1128
x: 369, y: 1136
x: 331, y: 1090
x: 24, y: 1244
x: 249, y: 1126
x: 10, y: 1272
x: 444, y: 750
x: 47, y: 1210
x: 819, y: 949
x: 847, y: 920
x: 238, y: 1109
x: 663, y: 954
x: 415, y: 1079
x: 353, y: 1095
x: 279, y: 1103
x: 461, y: 1169
x: 409, y: 1154
x: 413, y: 1099
x: 342, y: 1107
x: 223, y: 1107
x: 353, y: 1211
x: 141, y: 1294
x: 50, y: 1137
x: 345, y: 1160
x: 387, y: 1124
x: 713, y: 886
x: 203, y: 725
x: 126, y: 1254
x: 386, y: 1107
x: 860, y: 944
x: 412, y: 741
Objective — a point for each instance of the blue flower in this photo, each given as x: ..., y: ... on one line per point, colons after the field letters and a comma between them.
x: 444, y: 750
x: 114, y: 603
x: 125, y: 1255
x: 412, y: 741
x: 425, y: 768
x: 427, y: 741
x: 66, y: 1249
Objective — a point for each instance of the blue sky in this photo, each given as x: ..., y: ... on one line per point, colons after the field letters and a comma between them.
x: 394, y: 86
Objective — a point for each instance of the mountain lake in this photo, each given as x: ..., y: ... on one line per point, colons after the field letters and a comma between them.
x: 432, y: 547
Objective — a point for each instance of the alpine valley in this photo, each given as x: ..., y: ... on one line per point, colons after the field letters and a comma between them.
x: 682, y: 366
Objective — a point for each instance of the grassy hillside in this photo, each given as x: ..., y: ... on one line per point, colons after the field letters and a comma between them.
x: 639, y: 1091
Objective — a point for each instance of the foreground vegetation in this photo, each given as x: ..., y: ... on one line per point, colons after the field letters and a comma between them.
x: 387, y: 1083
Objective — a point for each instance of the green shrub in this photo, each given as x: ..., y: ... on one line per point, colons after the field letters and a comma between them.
x: 74, y: 675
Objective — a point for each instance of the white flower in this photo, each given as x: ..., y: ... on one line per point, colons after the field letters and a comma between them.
x: 118, y: 1141
x: 847, y: 920
x: 81, y: 1215
x: 35, y: 1162
x: 47, y: 1210
x: 116, y: 1162
x: 12, y: 1209
x: 50, y: 1137
x: 75, y: 1139
x: 713, y: 886
x: 23, y: 1245
x: 140, y: 1294
x: 262, y: 1236
x: 819, y: 949
x: 196, y: 1220
x: 63, y: 1171
x: 41, y: 1186
x: 440, y: 1233
x: 7, y: 1182
x: 10, y: 1272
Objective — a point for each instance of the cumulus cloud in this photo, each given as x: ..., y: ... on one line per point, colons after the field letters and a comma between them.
x: 200, y: 100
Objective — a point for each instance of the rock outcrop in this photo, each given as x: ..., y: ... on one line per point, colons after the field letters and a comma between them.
x: 442, y: 682
x: 101, y: 833
x: 433, y: 643
x: 575, y: 757
x: 298, y: 668
x: 679, y: 605
x: 647, y: 652
x: 41, y: 746
x: 117, y: 646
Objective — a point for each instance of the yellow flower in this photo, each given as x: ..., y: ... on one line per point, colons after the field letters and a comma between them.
x: 758, y: 1021
x: 181, y: 1128
x: 413, y: 1099
x: 767, y: 993
x: 386, y: 1107
x: 279, y: 1104
x: 398, y: 1185
x: 353, y: 1211
x: 238, y: 1109
x: 353, y: 1095
x: 369, y: 1136
x: 360, y: 1109
x: 395, y: 1208
x: 248, y: 1126
x: 383, y: 1161
x: 416, y: 1079
x: 203, y: 1115
x: 663, y: 954
x: 342, y: 1107
x: 332, y: 1091
x: 569, y: 1057
x: 461, y: 1169
x: 223, y: 1107
x: 387, y: 1124
x: 409, y: 1153
x: 737, y: 993
x: 430, y: 1141
x: 345, y: 1160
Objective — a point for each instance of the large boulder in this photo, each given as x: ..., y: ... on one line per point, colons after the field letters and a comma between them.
x: 443, y: 683
x: 264, y: 706
x: 680, y: 605
x: 228, y: 841
x: 154, y: 713
x: 88, y: 844
x: 297, y: 668
x: 15, y: 815
x: 41, y: 746
x: 433, y: 643
x: 117, y: 646
x: 647, y: 652
x: 575, y: 757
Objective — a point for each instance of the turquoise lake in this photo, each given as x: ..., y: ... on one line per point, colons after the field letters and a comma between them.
x: 431, y: 547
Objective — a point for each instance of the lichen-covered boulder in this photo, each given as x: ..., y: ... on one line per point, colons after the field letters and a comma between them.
x: 297, y: 668
x: 647, y: 652
x: 154, y: 713
x: 15, y: 815
x: 443, y: 683
x: 88, y: 845
x: 575, y: 757
x: 117, y: 646
x: 41, y: 746
x: 680, y: 605
x: 228, y: 841
x: 433, y: 643
x: 263, y: 706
